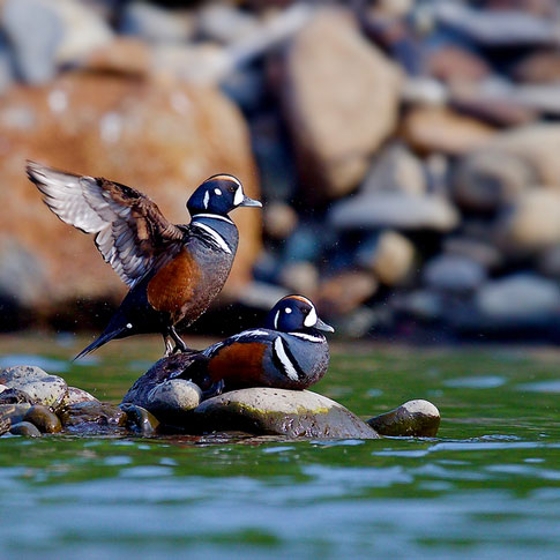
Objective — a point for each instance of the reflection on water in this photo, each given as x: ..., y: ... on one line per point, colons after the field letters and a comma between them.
x: 487, y: 487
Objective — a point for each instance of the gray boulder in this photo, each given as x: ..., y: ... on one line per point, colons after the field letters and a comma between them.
x: 281, y: 412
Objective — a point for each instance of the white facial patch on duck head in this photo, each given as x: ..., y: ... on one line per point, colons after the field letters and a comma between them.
x: 311, y: 319
x: 239, y: 197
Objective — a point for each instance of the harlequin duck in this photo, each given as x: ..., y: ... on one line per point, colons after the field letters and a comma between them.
x: 290, y: 352
x: 173, y: 271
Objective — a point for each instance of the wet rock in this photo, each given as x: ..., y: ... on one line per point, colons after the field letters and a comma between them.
x: 439, y: 129
x: 389, y: 255
x: 75, y: 396
x: 41, y: 387
x: 417, y: 418
x: 338, y: 113
x: 93, y: 417
x: 518, y: 300
x: 13, y: 413
x: 15, y: 396
x: 532, y: 222
x: 394, y: 210
x: 43, y: 418
x: 292, y: 414
x: 25, y: 429
x: 454, y: 273
x: 164, y: 369
x: 5, y: 425
x: 138, y: 419
x: 91, y: 115
x: 170, y: 400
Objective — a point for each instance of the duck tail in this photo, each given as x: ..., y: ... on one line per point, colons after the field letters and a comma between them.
x: 105, y: 337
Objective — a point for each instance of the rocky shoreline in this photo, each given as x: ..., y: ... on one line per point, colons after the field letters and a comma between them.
x: 34, y: 403
x: 406, y: 154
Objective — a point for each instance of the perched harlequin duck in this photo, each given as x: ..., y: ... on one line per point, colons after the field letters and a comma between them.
x: 290, y: 352
x: 173, y: 271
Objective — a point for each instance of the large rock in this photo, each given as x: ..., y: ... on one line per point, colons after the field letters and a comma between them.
x: 161, y: 139
x: 341, y: 97
x: 42, y: 388
x: 389, y: 255
x: 532, y: 222
x: 522, y: 300
x: 291, y: 414
x: 394, y: 210
x: 441, y: 130
x: 536, y: 145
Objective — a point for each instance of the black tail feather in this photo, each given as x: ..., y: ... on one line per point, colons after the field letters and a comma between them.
x: 100, y: 341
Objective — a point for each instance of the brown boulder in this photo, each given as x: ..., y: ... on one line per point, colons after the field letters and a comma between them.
x: 163, y: 139
x: 438, y: 129
x: 341, y: 97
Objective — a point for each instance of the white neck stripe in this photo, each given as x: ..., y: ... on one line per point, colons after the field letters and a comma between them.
x: 213, y: 217
x: 289, y: 368
x: 309, y: 337
x: 215, y: 236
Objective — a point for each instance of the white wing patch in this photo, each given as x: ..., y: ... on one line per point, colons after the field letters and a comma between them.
x: 289, y: 368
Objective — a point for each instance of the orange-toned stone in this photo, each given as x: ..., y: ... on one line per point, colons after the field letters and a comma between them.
x: 163, y: 139
x: 441, y: 130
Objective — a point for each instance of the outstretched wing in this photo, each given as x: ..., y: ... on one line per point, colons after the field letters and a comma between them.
x: 130, y: 231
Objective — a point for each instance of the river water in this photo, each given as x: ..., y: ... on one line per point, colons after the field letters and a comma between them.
x: 487, y: 487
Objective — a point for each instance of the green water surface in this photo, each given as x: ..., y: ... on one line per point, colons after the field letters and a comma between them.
x: 487, y: 487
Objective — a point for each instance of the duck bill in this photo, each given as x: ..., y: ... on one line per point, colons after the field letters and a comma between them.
x: 322, y: 326
x: 251, y: 203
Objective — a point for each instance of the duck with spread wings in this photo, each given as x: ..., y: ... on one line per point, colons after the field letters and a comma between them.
x: 173, y: 271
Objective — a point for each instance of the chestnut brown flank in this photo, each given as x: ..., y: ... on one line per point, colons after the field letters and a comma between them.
x: 238, y: 362
x: 174, y: 284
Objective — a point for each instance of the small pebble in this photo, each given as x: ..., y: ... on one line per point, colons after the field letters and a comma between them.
x: 44, y: 419
x: 25, y: 429
x: 417, y: 418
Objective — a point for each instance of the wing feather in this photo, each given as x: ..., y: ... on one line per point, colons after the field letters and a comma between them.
x: 130, y: 231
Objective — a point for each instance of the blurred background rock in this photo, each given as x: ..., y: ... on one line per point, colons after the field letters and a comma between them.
x: 407, y: 155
